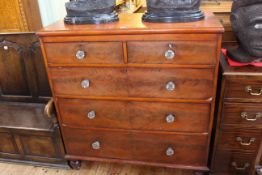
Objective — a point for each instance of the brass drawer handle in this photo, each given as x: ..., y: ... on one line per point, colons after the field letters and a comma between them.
x: 170, y: 118
x: 245, y: 116
x: 250, y: 91
x: 170, y: 86
x: 239, y: 139
x: 85, y: 84
x: 170, y: 53
x: 80, y: 54
x: 246, y: 165
x: 96, y: 145
x: 91, y: 115
x: 170, y: 151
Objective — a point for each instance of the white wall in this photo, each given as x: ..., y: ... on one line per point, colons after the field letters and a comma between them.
x: 52, y: 10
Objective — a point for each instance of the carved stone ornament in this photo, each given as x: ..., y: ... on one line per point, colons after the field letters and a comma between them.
x: 173, y: 11
x: 90, y: 11
x: 246, y: 20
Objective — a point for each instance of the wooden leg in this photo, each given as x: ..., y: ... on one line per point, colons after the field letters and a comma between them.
x: 75, y: 164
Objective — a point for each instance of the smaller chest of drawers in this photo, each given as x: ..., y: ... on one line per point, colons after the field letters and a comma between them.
x: 239, y: 123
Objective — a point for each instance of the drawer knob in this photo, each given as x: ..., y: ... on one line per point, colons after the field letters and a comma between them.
x: 245, y: 116
x: 85, y: 84
x: 246, y: 165
x: 170, y: 151
x: 96, y: 145
x: 80, y: 54
x: 170, y: 118
x: 6, y: 47
x: 239, y: 139
x: 91, y: 115
x: 170, y: 86
x: 251, y: 91
x: 170, y: 53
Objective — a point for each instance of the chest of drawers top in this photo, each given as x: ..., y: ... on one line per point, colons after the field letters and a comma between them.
x: 133, y: 24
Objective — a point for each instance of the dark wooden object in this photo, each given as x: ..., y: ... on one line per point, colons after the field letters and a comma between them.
x: 239, y: 129
x: 27, y: 135
x: 141, y: 97
x: 22, y: 72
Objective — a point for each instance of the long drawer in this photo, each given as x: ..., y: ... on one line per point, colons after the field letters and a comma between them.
x: 156, y: 148
x: 247, y: 114
x: 133, y: 82
x: 135, y: 115
x: 172, y: 52
x: 84, y: 53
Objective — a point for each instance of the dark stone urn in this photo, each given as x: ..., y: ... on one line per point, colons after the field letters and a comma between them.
x: 169, y: 11
x: 90, y: 11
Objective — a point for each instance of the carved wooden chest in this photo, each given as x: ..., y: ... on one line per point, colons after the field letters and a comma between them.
x: 135, y: 92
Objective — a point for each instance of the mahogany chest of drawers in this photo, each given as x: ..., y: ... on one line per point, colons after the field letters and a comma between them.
x: 239, y: 124
x: 135, y: 92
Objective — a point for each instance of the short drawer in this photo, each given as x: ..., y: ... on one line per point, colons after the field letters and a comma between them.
x: 248, y: 114
x: 239, y: 139
x: 89, y: 81
x: 84, y: 53
x: 235, y: 163
x: 249, y: 89
x: 133, y: 82
x: 171, y: 83
x: 172, y: 52
x: 135, y: 115
x: 136, y: 146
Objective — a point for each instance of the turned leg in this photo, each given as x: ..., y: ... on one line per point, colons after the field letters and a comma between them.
x: 75, y: 164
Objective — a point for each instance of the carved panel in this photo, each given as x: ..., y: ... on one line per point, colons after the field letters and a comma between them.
x: 22, y: 73
x: 12, y: 69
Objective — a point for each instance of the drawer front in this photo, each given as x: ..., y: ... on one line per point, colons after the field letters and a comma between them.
x: 235, y: 163
x: 242, y: 113
x: 243, y: 140
x: 156, y: 148
x: 89, y: 81
x: 171, y: 83
x: 170, y: 52
x: 135, y: 115
x: 244, y: 89
x: 134, y: 82
x: 84, y: 53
